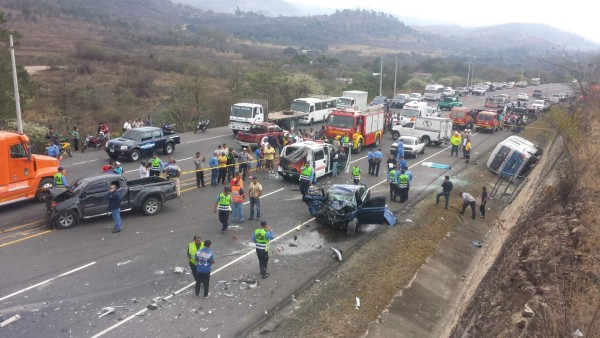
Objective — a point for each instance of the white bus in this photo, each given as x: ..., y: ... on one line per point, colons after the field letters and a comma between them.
x: 317, y: 109
x: 535, y: 81
x: 434, y: 92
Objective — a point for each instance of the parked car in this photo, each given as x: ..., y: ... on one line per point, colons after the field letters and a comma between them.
x: 378, y: 101
x: 399, y: 100
x: 448, y: 103
x: 86, y: 198
x: 510, y: 85
x: 347, y: 206
x: 537, y: 93
x: 523, y: 96
x: 479, y: 90
x: 539, y: 105
x: 258, y: 134
x: 413, y: 146
x: 461, y: 91
x: 137, y: 142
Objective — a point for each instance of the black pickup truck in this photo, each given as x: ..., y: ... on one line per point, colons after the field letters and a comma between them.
x: 142, y: 141
x: 86, y: 198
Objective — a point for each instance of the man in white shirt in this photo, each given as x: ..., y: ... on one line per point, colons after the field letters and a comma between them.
x: 127, y: 125
x: 255, y: 190
x: 468, y: 200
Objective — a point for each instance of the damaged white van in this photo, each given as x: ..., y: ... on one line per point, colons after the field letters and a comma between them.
x: 514, y: 157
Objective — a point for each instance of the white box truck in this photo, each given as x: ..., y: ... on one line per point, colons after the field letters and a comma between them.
x: 431, y: 130
x: 353, y: 99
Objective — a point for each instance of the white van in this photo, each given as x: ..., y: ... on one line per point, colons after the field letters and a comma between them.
x: 317, y: 154
x: 316, y: 109
x: 514, y: 157
x: 412, y: 110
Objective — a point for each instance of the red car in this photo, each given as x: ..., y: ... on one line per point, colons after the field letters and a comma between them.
x: 258, y: 134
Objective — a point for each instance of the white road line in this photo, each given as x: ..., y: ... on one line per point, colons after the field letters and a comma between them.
x: 271, y: 193
x: 83, y: 162
x: 202, y: 139
x: 144, y: 310
x: 47, y: 281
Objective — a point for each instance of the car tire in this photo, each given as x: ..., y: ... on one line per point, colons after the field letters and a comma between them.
x: 69, y: 152
x: 168, y: 149
x: 66, y: 219
x: 395, y: 134
x: 41, y: 192
x: 426, y: 140
x: 151, y: 206
x: 135, y: 155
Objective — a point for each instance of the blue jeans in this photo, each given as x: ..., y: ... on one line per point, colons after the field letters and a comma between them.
x: 254, y: 201
x: 214, y: 173
x: 335, y: 169
x: 116, y: 216
x: 237, y: 208
x: 446, y: 195
x: 454, y: 150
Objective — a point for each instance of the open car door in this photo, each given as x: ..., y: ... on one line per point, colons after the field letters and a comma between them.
x: 372, y: 211
x: 344, y: 162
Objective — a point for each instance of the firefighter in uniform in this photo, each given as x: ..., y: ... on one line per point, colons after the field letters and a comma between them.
x: 403, y: 183
x: 156, y: 165
x: 223, y: 202
x: 261, y: 238
x: 392, y: 182
x: 307, y: 175
x: 356, y: 171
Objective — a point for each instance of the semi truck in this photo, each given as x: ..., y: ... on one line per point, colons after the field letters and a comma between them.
x: 23, y: 175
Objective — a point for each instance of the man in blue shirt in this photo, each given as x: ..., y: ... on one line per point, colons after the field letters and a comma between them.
x: 377, y: 157
x: 370, y: 155
x: 114, y: 207
x: 205, y: 259
x: 213, y: 163
x: 399, y: 152
x: 53, y: 150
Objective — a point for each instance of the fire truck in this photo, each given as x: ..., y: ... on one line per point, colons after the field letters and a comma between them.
x: 363, y: 127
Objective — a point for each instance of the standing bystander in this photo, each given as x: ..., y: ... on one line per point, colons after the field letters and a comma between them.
x: 213, y: 163
x: 446, y: 190
x: 484, y: 199
x: 223, y: 201
x: 206, y: 259
x: 114, y: 207
x: 199, y: 171
x: 255, y: 191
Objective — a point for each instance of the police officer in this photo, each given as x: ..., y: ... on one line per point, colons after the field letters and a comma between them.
x: 192, y: 247
x: 403, y: 183
x: 156, y: 165
x: 261, y: 238
x: 60, y: 178
x: 392, y: 182
x: 307, y: 176
x: 356, y: 171
x: 223, y: 202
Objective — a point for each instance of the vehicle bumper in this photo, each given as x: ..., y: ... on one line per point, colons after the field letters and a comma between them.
x: 118, y: 152
x: 239, y: 126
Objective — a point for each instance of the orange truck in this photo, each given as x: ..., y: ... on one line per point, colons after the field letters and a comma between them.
x: 462, y: 117
x: 23, y: 175
x: 347, y: 121
x: 487, y: 120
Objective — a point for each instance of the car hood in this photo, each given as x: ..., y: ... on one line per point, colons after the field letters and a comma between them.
x: 121, y: 142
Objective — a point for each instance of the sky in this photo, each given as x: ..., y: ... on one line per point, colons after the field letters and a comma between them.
x: 575, y: 16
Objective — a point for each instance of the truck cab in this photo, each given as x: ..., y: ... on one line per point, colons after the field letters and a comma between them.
x: 243, y: 115
x: 487, y: 120
x: 462, y: 117
x: 363, y: 127
x: 23, y: 175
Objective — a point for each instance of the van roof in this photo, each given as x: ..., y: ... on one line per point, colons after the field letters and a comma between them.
x: 520, y: 144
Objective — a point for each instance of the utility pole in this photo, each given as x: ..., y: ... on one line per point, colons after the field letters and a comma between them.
x: 380, y: 75
x: 16, y: 85
x: 472, y: 73
x: 468, y: 73
x: 395, y: 76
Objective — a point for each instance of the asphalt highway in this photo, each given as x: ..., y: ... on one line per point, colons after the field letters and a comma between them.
x: 59, y: 281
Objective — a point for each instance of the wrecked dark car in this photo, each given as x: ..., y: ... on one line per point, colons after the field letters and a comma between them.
x: 346, y: 206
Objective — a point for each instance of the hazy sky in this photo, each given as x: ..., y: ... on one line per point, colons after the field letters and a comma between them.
x: 576, y: 16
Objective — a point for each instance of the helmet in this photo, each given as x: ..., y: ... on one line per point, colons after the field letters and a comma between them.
x: 338, y: 137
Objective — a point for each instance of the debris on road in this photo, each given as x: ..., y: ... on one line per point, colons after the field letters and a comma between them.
x: 123, y: 263
x: 337, y: 253
x: 159, y: 272
x: 476, y: 243
x: 105, y: 311
x: 528, y: 312
x: 178, y: 270
x: 10, y: 320
x: 357, y: 304
x: 152, y: 306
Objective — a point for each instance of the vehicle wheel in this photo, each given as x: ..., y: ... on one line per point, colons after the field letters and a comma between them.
x: 41, y: 193
x: 66, y: 219
x: 113, y: 156
x: 151, y: 206
x: 352, y: 226
x: 395, y: 134
x: 69, y: 152
x: 168, y: 150
x: 135, y: 155
x: 426, y: 140
x: 436, y: 143
x: 359, y: 146
x: 377, y: 141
